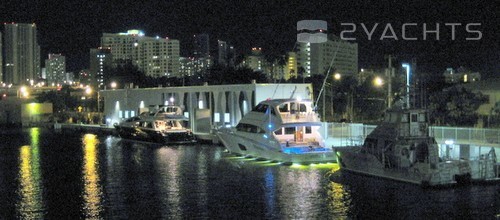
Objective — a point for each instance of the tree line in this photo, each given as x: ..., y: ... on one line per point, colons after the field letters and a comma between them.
x: 344, y: 100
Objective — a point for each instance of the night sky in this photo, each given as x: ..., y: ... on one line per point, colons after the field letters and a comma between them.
x: 73, y: 27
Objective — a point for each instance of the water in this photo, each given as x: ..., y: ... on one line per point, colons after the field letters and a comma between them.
x: 72, y: 176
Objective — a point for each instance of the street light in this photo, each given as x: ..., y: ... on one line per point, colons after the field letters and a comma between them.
x: 378, y: 82
x: 337, y: 76
x: 88, y: 90
x: 113, y: 85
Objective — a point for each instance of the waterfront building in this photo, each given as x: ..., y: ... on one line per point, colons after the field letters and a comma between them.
x: 316, y: 58
x: 22, y: 53
x: 461, y: 75
x: 155, y: 56
x: 23, y: 112
x: 101, y: 59
x: 205, y: 106
x: 55, y: 69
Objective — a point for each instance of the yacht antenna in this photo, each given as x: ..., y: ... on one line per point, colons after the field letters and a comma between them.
x: 326, y: 77
x: 293, y: 92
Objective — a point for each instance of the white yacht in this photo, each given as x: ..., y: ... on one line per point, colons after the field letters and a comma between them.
x: 401, y: 149
x: 164, y: 125
x: 282, y: 130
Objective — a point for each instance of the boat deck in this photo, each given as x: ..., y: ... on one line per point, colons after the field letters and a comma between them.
x: 302, y: 148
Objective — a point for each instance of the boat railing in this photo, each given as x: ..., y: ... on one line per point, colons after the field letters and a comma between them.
x: 477, y: 136
x: 299, y: 117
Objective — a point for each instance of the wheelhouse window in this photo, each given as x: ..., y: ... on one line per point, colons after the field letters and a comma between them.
x: 133, y: 119
x: 260, y: 108
x: 283, y: 108
x: 297, y: 107
x: 263, y: 109
x: 302, y: 108
x: 290, y: 130
x: 249, y: 128
x: 278, y: 132
x: 308, y: 130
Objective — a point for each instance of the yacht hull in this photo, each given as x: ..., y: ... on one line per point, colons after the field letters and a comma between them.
x: 445, y: 173
x: 171, y: 137
x: 269, y: 149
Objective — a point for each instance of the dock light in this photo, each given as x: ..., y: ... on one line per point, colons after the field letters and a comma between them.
x: 449, y: 142
x: 23, y: 92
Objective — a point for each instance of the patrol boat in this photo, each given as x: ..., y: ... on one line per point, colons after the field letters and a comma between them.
x: 401, y: 149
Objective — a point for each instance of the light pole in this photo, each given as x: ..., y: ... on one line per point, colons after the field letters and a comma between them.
x: 408, y: 73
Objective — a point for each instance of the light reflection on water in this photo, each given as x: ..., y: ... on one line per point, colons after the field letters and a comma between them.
x: 30, y: 203
x: 120, y: 179
x: 92, y: 189
x: 168, y: 163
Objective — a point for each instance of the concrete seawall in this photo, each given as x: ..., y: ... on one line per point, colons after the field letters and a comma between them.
x: 98, y: 129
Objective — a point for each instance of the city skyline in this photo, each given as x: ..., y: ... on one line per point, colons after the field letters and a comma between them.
x: 73, y: 28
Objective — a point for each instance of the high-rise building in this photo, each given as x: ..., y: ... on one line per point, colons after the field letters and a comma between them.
x: 55, y: 69
x: 316, y: 58
x: 222, y: 52
x: 201, y: 53
x: 291, y: 66
x: 22, y: 53
x: 187, y: 66
x: 154, y: 56
x: 201, y: 46
x: 226, y: 54
x: 255, y: 61
x: 101, y: 59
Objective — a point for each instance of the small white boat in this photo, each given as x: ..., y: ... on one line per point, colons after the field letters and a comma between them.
x: 281, y: 130
x: 401, y: 149
x: 164, y: 126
